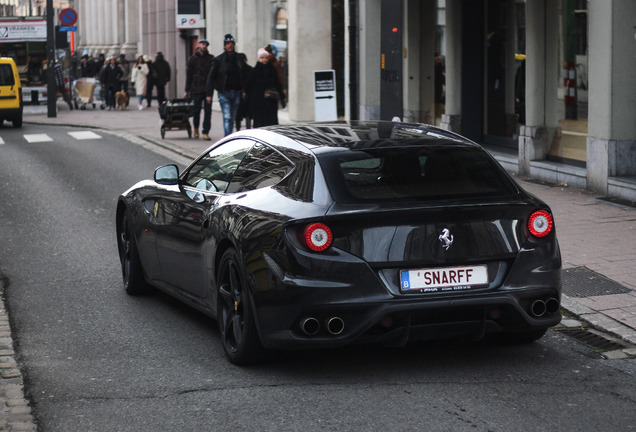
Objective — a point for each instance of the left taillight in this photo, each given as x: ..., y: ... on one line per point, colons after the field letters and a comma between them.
x: 317, y: 236
x: 540, y: 223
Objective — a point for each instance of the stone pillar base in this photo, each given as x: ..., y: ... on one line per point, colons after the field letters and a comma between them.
x: 532, y: 146
x: 451, y: 122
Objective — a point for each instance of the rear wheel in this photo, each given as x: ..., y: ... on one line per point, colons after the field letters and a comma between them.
x: 132, y: 271
x: 234, y: 312
x: 17, y: 122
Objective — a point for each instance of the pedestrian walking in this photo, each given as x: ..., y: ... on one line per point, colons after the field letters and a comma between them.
x: 264, y: 91
x: 86, y: 69
x: 59, y: 82
x: 197, y: 72
x: 244, y: 111
x: 228, y: 77
x: 139, y: 79
x: 162, y: 76
x: 125, y: 78
x: 110, y: 81
x: 98, y: 66
x: 150, y: 79
x: 277, y: 65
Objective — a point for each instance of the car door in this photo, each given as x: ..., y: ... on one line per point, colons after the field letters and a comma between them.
x: 182, y: 245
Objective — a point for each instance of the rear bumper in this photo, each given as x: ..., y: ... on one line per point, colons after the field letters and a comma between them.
x: 11, y: 113
x: 396, y: 322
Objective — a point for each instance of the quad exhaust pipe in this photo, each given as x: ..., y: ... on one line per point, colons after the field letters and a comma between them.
x: 542, y: 307
x: 335, y: 325
x: 311, y: 326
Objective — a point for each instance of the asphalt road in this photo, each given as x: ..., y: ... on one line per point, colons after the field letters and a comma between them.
x: 96, y: 359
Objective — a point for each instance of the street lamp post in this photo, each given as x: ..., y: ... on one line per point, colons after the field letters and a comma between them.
x: 50, y: 73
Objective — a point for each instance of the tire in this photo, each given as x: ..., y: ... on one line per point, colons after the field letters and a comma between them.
x: 234, y: 313
x: 131, y: 269
x: 17, y: 122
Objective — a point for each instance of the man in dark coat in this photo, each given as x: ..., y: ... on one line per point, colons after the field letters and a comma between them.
x: 228, y: 76
x: 199, y: 66
x: 110, y: 81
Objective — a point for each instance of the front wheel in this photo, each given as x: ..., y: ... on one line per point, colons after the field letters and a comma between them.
x: 234, y: 312
x: 131, y: 269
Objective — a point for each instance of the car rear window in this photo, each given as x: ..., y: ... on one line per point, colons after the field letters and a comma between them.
x: 413, y: 173
x: 6, y: 75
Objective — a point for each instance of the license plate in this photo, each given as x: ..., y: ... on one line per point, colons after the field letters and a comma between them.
x: 443, y: 279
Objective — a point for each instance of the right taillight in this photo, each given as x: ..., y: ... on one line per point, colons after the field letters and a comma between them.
x: 317, y: 236
x: 540, y: 223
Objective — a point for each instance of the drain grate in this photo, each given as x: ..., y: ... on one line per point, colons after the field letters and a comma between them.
x: 593, y: 339
x: 583, y: 282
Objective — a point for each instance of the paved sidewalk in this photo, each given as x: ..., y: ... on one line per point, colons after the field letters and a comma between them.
x: 596, y: 236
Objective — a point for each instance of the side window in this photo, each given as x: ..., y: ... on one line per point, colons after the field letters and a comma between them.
x: 213, y: 171
x: 263, y: 166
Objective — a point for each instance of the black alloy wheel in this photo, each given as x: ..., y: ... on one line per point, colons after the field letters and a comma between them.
x: 132, y: 271
x: 234, y: 310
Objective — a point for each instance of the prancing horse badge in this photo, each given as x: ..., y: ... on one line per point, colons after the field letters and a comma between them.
x: 446, y: 238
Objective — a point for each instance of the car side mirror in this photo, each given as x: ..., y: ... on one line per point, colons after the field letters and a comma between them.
x: 167, y: 175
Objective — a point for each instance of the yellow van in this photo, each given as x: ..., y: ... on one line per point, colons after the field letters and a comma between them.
x: 10, y: 92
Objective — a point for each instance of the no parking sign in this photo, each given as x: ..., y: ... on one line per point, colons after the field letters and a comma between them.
x: 68, y: 17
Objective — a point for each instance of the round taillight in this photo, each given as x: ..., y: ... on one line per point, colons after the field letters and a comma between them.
x: 318, y: 237
x: 540, y: 223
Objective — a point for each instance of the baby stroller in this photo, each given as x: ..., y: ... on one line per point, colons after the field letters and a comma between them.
x: 175, y: 114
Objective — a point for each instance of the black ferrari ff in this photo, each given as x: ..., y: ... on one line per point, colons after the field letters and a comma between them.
x: 326, y: 234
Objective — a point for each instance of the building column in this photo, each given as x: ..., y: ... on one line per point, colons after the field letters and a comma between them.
x: 220, y: 19
x: 369, y: 59
x: 452, y: 119
x: 131, y: 30
x: 309, y: 50
x: 511, y: 45
x: 611, y: 143
x: 533, y: 141
x: 254, y: 21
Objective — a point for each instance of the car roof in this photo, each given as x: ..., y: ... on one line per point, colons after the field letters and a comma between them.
x: 320, y: 137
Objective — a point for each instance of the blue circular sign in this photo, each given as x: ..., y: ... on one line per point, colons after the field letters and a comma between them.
x: 68, y: 17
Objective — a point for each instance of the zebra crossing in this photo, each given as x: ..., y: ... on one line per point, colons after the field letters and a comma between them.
x: 43, y: 137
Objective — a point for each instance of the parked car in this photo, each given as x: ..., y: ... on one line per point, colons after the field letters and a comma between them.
x: 322, y: 235
x: 10, y: 92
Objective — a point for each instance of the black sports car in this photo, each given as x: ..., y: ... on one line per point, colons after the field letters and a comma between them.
x: 321, y: 235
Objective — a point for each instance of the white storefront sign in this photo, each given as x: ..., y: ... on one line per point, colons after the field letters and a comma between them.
x: 325, y: 106
x: 22, y: 30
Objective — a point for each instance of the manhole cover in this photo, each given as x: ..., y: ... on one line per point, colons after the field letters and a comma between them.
x: 593, y: 339
x: 583, y: 282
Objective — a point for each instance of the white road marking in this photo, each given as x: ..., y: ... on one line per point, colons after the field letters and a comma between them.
x: 84, y: 135
x: 1, y: 141
x: 35, y: 138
